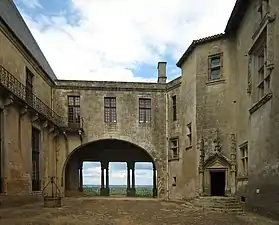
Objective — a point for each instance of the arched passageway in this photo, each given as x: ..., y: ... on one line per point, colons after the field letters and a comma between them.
x: 106, y: 151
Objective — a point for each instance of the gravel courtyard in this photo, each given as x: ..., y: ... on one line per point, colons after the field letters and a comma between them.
x: 123, y: 211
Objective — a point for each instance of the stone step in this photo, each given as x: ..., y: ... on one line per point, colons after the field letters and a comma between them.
x: 220, y: 204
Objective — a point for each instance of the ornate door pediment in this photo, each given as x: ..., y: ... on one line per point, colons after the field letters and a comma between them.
x: 217, y: 161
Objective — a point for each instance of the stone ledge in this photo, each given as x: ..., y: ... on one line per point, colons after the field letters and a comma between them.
x: 173, y: 159
x: 260, y: 103
x: 214, y: 82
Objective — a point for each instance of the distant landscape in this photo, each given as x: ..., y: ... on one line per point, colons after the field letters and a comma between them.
x: 118, y: 190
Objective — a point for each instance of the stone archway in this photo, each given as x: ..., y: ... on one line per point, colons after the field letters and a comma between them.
x: 104, y: 151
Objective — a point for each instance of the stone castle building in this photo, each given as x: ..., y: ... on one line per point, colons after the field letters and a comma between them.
x: 212, y: 131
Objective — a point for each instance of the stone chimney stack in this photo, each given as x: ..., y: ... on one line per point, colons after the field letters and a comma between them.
x: 162, y: 72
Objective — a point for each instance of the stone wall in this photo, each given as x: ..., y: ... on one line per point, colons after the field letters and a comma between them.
x: 149, y: 136
x: 188, y: 179
x: 260, y: 126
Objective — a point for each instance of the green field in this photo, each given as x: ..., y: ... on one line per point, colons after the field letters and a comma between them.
x: 118, y: 191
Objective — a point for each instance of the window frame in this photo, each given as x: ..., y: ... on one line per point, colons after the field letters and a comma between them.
x: 174, y: 108
x: 174, y: 149
x: 216, y: 67
x: 74, y: 117
x: 110, y: 110
x: 189, y: 134
x: 260, y: 73
x: 36, y: 161
x: 145, y: 110
x: 244, y: 158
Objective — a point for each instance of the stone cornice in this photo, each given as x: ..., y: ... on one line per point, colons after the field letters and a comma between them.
x: 109, y: 86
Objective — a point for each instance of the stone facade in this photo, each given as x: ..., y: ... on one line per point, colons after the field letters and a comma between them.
x: 216, y: 124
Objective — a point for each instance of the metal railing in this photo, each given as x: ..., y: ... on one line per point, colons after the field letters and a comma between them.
x: 12, y: 84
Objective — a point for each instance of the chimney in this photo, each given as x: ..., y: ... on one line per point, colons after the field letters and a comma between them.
x: 162, y: 72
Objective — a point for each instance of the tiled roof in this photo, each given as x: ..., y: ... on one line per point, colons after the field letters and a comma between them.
x: 195, y: 43
x: 11, y: 16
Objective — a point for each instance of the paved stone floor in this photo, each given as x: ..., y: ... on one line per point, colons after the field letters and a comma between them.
x: 122, y: 211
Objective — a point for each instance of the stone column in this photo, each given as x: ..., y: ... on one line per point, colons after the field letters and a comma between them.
x: 154, y: 181
x: 80, y: 180
x: 128, y: 190
x: 102, y: 179
x: 107, y: 175
x: 133, y: 179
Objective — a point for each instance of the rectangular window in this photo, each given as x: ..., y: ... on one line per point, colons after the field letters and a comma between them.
x: 189, y: 134
x: 29, y: 87
x: 174, y: 181
x: 262, y: 77
x: 144, y: 110
x: 215, y: 64
x: 174, y: 149
x: 110, y: 109
x: 74, y: 111
x: 244, y: 158
x: 36, y: 182
x: 174, y: 116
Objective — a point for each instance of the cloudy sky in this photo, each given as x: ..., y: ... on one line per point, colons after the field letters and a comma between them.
x: 120, y: 39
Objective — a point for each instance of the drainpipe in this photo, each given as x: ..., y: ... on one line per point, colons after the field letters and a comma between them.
x: 167, y: 144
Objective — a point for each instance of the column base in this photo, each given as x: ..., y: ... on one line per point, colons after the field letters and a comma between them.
x: 155, y: 192
x: 131, y: 192
x: 104, y: 191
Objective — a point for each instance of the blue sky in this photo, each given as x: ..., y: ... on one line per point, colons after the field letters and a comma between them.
x: 120, y: 40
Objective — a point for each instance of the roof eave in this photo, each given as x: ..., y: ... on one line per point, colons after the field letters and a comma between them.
x: 237, y: 15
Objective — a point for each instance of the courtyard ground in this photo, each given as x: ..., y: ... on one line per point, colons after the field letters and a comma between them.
x: 123, y: 211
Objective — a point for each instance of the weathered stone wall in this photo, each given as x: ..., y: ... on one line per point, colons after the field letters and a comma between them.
x: 215, y: 107
x: 173, y: 131
x: 187, y: 185
x: 16, y: 122
x: 151, y: 137
x: 260, y: 127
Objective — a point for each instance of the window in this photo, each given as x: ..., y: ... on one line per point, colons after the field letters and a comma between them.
x: 244, y: 158
x: 110, y: 109
x: 189, y: 134
x: 262, y: 77
x: 215, y: 67
x: 174, y: 117
x: 174, y: 149
x: 74, y: 111
x: 174, y: 181
x: 36, y: 183
x: 144, y: 110
x: 29, y: 87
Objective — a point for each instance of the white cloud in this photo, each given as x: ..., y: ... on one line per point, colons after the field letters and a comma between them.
x: 31, y: 3
x: 113, y: 36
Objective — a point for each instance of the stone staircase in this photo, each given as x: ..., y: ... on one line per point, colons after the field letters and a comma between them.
x: 219, y: 204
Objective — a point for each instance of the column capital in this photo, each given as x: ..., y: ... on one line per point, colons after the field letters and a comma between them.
x: 131, y: 165
x: 104, y: 164
x: 154, y: 166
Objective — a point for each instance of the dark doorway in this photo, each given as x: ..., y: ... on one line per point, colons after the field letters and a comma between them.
x: 217, y: 181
